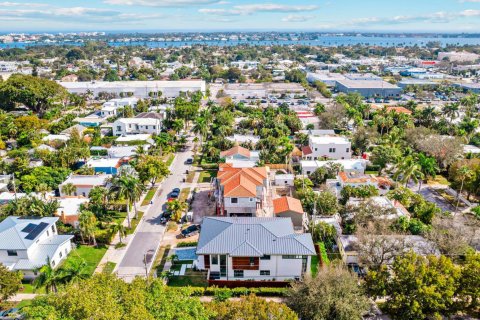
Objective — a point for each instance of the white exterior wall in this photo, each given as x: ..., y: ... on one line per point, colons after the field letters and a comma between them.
x: 319, y: 151
x: 280, y: 269
x: 81, y: 191
x: 244, y: 205
x: 121, y: 128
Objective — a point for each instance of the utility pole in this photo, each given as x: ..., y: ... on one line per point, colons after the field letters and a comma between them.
x: 14, y: 188
x: 145, y: 263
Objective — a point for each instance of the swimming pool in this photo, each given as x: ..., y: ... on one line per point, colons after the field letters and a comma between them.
x: 186, y: 253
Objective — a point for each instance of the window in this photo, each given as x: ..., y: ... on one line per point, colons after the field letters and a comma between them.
x: 146, y: 127
x: 214, y: 259
x: 234, y: 200
x: 252, y: 261
x: 48, y: 234
x: 53, y: 229
x: 265, y: 257
x: 12, y: 253
x: 332, y: 150
x: 251, y: 199
x: 348, y: 149
x: 238, y: 273
x: 291, y: 257
x: 53, y: 263
x: 316, y: 149
x: 264, y: 272
x: 60, y: 254
x: 119, y: 128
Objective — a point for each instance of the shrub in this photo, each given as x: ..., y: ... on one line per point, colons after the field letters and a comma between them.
x: 187, y: 244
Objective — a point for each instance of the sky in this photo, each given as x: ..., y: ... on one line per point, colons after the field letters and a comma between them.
x: 234, y: 15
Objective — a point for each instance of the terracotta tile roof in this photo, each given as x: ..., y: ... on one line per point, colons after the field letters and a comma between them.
x: 307, y: 150
x: 241, y: 182
x: 296, y: 152
x: 235, y: 150
x: 356, y: 178
x: 397, y: 109
x: 287, y: 204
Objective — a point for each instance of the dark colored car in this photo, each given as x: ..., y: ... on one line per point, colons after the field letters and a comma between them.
x: 191, y: 230
x: 189, y: 161
x: 175, y: 193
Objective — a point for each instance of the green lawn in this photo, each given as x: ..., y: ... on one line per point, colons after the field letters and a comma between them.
x: 314, y: 266
x: 108, y: 267
x: 134, y: 223
x: 29, y: 288
x: 90, y: 255
x: 149, y: 196
x: 439, y: 179
x: 119, y: 217
x: 206, y: 176
x: 190, y: 176
x: 161, y: 258
x: 191, y: 278
x: 170, y: 159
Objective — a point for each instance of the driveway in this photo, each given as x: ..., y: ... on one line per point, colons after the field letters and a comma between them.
x: 142, y: 249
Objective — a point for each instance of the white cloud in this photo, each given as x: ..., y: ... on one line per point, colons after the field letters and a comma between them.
x: 162, y: 3
x: 297, y: 18
x: 19, y: 4
x: 249, y: 9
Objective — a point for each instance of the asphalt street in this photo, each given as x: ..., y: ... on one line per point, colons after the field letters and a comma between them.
x: 149, y: 234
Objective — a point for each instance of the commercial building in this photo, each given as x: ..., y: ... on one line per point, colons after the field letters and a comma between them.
x: 369, y: 88
x: 255, y: 249
x: 139, y: 89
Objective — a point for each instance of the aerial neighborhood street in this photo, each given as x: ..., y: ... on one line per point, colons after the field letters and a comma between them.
x: 330, y: 174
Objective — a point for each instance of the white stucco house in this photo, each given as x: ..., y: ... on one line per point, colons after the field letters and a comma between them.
x: 126, y: 126
x: 26, y: 244
x: 255, y: 249
x: 327, y: 147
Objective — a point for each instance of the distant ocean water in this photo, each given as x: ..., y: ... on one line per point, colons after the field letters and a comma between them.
x: 328, y: 41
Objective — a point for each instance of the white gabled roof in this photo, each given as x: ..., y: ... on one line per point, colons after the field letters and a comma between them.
x: 14, y: 231
x: 252, y: 237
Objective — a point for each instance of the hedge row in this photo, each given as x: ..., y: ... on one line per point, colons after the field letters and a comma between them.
x: 187, y: 244
x: 237, y: 292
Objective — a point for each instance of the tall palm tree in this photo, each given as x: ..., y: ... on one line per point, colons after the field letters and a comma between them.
x: 201, y: 128
x: 451, y: 110
x: 428, y: 166
x: 88, y: 225
x: 49, y: 278
x: 129, y: 188
x: 469, y: 102
x: 43, y: 188
x: 408, y: 170
x: 118, y: 227
x: 464, y: 172
x: 69, y: 189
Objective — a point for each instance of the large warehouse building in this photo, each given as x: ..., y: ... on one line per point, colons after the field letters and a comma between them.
x: 369, y: 88
x: 139, y: 89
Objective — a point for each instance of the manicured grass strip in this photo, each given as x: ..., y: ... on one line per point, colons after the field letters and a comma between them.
x: 91, y: 255
x: 170, y: 159
x: 135, y: 222
x: 190, y: 279
x: 323, y: 253
x: 184, y: 194
x: 108, y: 267
x: 314, y: 266
x: 190, y: 176
x: 206, y: 176
x: 149, y: 196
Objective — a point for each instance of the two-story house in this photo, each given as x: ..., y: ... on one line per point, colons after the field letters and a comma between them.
x: 27, y: 244
x: 242, y: 191
x: 240, y: 157
x: 126, y: 126
x: 253, y: 249
x: 327, y: 147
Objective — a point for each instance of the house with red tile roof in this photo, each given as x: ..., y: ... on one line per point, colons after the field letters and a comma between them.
x: 240, y: 157
x: 288, y: 207
x: 242, y: 191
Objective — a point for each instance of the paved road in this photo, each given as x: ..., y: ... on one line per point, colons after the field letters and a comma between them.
x: 149, y: 234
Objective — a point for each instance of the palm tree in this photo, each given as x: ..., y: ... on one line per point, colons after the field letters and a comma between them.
x: 201, y: 128
x: 409, y: 169
x: 177, y: 207
x: 428, y: 166
x: 451, y: 110
x: 74, y: 271
x: 48, y: 278
x: 469, y: 102
x: 463, y: 172
x: 43, y: 188
x: 118, y: 227
x: 88, y: 225
x: 129, y: 188
x: 69, y: 189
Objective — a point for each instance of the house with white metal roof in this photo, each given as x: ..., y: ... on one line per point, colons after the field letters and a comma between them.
x: 126, y: 126
x: 236, y: 249
x: 84, y: 183
x: 27, y: 243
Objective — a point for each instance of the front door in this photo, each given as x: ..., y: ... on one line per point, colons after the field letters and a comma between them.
x: 223, y: 266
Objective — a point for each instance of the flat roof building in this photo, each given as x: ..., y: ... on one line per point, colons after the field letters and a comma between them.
x: 369, y: 88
